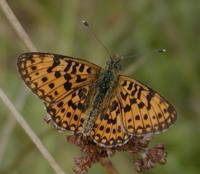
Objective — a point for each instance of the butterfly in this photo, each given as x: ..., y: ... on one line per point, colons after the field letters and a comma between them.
x: 95, y: 102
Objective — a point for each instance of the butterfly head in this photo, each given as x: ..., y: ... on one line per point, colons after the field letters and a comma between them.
x: 114, y: 63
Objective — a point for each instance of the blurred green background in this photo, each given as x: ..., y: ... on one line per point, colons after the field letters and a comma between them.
x: 125, y: 27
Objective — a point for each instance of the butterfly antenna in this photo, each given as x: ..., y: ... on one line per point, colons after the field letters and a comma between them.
x: 86, y: 24
x: 160, y: 50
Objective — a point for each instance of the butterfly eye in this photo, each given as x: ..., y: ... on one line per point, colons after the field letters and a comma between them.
x: 118, y: 65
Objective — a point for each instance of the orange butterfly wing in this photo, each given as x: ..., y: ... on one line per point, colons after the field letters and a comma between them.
x: 109, y: 130
x: 144, y: 110
x: 134, y: 109
x: 61, y: 82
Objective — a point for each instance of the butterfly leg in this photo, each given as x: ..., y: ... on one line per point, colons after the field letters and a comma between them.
x: 50, y: 121
x: 47, y: 119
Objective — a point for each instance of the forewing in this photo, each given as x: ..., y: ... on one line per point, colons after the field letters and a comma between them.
x: 61, y: 82
x: 144, y: 110
x: 52, y: 76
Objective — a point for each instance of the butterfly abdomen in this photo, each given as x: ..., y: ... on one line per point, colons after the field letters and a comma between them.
x: 103, y: 87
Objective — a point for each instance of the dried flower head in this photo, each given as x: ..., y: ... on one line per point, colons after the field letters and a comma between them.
x: 136, y: 145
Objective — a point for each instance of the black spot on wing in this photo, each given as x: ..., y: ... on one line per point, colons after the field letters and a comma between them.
x: 137, y: 117
x: 114, y: 105
x: 149, y: 97
x: 130, y: 86
x: 67, y: 86
x: 69, y: 64
x: 67, y: 76
x: 57, y: 74
x: 133, y: 101
x: 44, y: 79
x: 112, y: 121
x: 124, y: 96
x: 135, y: 90
x: 33, y: 68
x: 127, y: 108
x: 145, y: 117
x: 56, y: 62
x: 74, y: 70
x: 124, y: 83
x: 141, y: 105
x: 139, y: 92
x: 104, y: 117
x: 81, y: 68
x: 79, y: 79
x: 89, y: 70
x: 51, y: 85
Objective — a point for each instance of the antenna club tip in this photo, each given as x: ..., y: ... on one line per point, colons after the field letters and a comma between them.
x: 162, y: 50
x: 85, y: 23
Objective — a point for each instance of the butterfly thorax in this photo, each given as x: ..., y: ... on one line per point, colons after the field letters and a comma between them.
x: 103, y: 87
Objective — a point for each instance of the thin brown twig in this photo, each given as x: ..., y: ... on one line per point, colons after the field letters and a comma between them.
x: 108, y: 165
x: 5, y: 136
x: 21, y: 156
x: 31, y: 133
x: 16, y: 25
x: 28, y: 43
x: 10, y: 124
